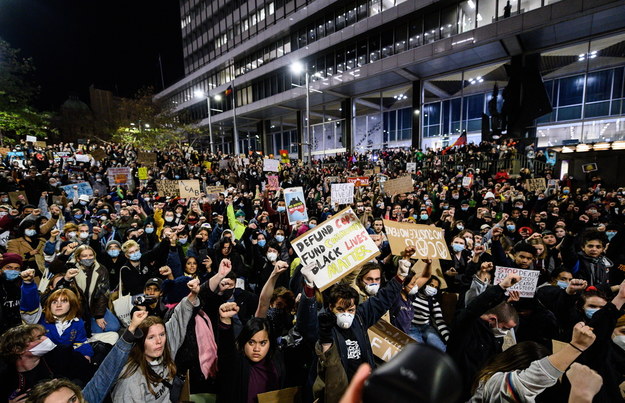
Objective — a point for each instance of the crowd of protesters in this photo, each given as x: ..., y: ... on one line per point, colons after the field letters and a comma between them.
x: 218, y: 298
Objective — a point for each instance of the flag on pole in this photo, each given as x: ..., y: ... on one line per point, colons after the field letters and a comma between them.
x: 228, y: 90
x: 462, y: 140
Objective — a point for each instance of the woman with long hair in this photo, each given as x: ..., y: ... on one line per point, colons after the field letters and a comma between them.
x: 150, y: 374
x: 524, y: 370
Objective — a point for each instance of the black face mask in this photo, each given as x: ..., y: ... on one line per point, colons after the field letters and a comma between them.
x: 227, y: 294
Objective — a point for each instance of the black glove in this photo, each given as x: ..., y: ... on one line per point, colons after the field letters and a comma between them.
x: 327, y: 320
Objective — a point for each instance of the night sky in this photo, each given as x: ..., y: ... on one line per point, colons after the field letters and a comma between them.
x: 112, y: 44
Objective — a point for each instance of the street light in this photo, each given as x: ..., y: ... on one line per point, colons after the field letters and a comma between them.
x: 299, y: 68
x: 200, y: 94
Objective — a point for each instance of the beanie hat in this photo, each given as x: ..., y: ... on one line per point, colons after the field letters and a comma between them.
x: 8, y: 258
x: 113, y: 242
x: 240, y: 213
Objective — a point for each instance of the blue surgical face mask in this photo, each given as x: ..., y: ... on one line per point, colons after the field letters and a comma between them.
x: 135, y: 256
x: 562, y: 284
x: 279, y: 238
x: 424, y: 217
x: 113, y: 252
x: 464, y: 208
x: 11, y: 275
x: 82, y: 202
x: 311, y: 226
x: 566, y: 191
x: 262, y: 243
x: 511, y: 227
x: 590, y: 312
x: 281, y: 209
x: 78, y: 216
x: 30, y: 232
x: 610, y: 234
x: 149, y: 230
x: 457, y: 247
x: 182, y: 241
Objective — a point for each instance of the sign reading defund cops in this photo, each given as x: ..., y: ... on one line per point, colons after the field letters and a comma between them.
x: 428, y: 241
x: 336, y: 247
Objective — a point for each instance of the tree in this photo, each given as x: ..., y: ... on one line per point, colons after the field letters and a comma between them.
x: 146, y: 124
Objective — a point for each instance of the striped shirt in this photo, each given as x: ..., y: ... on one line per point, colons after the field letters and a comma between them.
x: 426, y: 309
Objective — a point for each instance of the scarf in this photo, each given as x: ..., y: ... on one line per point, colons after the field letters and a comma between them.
x: 206, y: 346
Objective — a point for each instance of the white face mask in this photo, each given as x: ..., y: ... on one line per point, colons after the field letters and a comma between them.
x: 414, y: 290
x: 272, y: 256
x: 430, y: 291
x: 619, y: 341
x: 497, y: 331
x: 42, y: 348
x: 372, y: 289
x: 344, y: 320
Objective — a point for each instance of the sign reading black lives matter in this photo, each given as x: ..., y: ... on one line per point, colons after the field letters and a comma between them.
x: 335, y: 247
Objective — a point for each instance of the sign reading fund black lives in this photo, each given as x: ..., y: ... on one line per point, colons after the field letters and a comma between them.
x: 335, y: 247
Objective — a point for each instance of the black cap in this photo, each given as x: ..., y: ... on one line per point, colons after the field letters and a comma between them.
x: 154, y: 281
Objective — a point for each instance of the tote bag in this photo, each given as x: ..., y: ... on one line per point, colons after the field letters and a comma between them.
x: 122, y: 306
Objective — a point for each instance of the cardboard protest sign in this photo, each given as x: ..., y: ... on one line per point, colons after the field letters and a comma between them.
x: 288, y: 395
x: 270, y: 165
x: 368, y: 172
x: 41, y: 144
x: 142, y: 172
x: 146, y: 158
x: 387, y: 340
x: 273, y: 182
x: 529, y: 279
x: 399, y: 185
x: 335, y: 248
x: 377, y: 169
x: 436, y: 269
x: 83, y: 188
x: 189, y: 188
x: 223, y: 164
x: 214, y: 189
x: 411, y: 167
x: 81, y: 157
x: 59, y: 200
x: 359, y: 181
x: 342, y: 193
x: 295, y: 205
x: 167, y: 188
x: 119, y: 176
x: 536, y: 184
x: 98, y: 154
x: 429, y: 241
x: 15, y: 197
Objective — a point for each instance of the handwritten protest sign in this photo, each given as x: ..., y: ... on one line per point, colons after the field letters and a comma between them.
x: 142, y: 172
x: 467, y: 181
x: 189, y: 188
x: 4, y: 238
x: 98, y: 154
x: 368, y: 172
x: 399, y: 185
x: 270, y: 165
x: 342, y: 193
x: 535, y: 184
x: 529, y: 279
x: 83, y: 188
x: 359, y: 181
x: 146, y: 158
x: 335, y: 248
x: 437, y: 271
x: 214, y: 189
x: 31, y: 139
x: 387, y: 340
x: 288, y: 395
x: 295, y: 205
x: 411, y: 167
x: 429, y: 241
x: 332, y: 179
x: 119, y: 176
x: 15, y: 197
x: 167, y: 188
x: 41, y: 144
x: 223, y: 164
x: 272, y: 182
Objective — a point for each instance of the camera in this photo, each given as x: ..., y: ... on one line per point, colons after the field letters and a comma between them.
x: 143, y: 300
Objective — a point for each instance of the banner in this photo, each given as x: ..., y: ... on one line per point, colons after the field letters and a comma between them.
x: 270, y: 165
x: 273, y: 183
x: 342, y: 193
x: 84, y: 188
x: 167, y: 188
x: 429, y: 241
x: 119, y: 176
x: 387, y: 340
x: 359, y: 181
x: 189, y: 189
x: 529, y: 279
x: 98, y: 154
x: 411, y: 167
x: 399, y: 185
x: 295, y: 205
x: 535, y: 184
x: 142, y: 172
x: 146, y: 158
x: 335, y: 248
